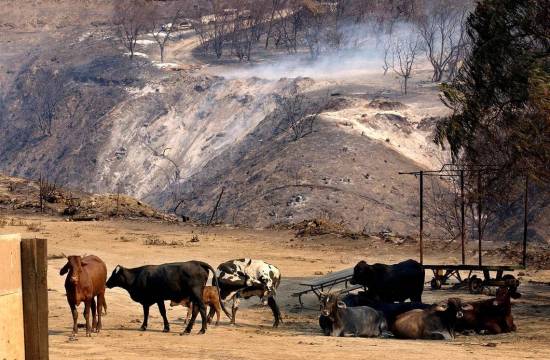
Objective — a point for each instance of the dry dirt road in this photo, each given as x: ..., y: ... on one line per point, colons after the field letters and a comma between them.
x: 124, y: 242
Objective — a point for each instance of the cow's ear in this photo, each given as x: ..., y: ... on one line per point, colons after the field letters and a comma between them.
x: 441, y: 307
x: 64, y: 269
x: 496, y: 302
x: 341, y: 304
x: 467, y: 307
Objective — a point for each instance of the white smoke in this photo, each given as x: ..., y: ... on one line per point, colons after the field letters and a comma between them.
x: 361, y: 53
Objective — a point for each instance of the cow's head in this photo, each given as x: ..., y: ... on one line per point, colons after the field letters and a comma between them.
x: 361, y: 273
x: 74, y: 268
x: 246, y: 278
x: 453, y: 307
x: 117, y: 278
x: 329, y: 303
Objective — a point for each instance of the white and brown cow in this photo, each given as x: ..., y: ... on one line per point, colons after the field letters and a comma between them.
x: 245, y: 278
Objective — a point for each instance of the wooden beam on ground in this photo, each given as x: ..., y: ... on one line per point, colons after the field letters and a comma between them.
x: 35, y: 297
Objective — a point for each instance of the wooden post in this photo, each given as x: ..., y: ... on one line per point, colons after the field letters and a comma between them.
x: 35, y: 297
x: 462, y: 222
x: 525, y: 219
x: 12, y: 338
x: 479, y: 212
x: 421, y: 240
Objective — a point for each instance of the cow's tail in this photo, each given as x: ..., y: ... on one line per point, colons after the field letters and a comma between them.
x: 215, y: 281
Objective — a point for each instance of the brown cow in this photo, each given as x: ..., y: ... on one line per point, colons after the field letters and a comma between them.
x: 435, y: 323
x: 210, y: 297
x: 86, y: 279
x: 493, y: 316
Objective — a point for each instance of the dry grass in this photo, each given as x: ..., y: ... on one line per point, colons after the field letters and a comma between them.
x: 154, y: 240
x: 11, y: 221
x: 34, y: 227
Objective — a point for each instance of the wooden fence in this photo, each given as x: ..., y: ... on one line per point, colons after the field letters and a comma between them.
x: 23, y: 298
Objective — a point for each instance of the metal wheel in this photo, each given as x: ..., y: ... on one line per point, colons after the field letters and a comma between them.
x: 435, y: 284
x: 475, y: 285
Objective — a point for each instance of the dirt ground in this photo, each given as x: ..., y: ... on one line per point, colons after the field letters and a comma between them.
x: 125, y: 243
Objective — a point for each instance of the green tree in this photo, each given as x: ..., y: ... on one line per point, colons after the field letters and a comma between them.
x: 501, y: 96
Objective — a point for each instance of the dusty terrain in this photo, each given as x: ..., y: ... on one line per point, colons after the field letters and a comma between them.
x: 124, y: 242
x: 163, y: 136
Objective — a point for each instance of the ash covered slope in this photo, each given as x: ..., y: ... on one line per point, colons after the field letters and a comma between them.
x: 162, y: 136
x: 329, y: 174
x: 137, y: 128
x: 345, y: 171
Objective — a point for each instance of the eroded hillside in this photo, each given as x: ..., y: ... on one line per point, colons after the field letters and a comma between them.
x: 179, y: 132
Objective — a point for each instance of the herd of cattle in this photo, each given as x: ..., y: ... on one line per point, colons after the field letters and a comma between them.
x: 379, y: 311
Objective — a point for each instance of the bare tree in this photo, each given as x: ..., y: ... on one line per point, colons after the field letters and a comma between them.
x: 387, y: 53
x: 404, y: 55
x: 314, y: 26
x: 296, y: 113
x: 276, y: 6
x: 461, y: 47
x: 163, y: 154
x: 163, y: 21
x: 289, y: 23
x: 44, y: 101
x: 47, y: 191
x: 213, y: 22
x: 130, y: 17
x: 247, y: 27
x: 441, y: 31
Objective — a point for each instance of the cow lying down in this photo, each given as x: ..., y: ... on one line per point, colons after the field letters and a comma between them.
x: 361, y: 321
x: 492, y: 316
x: 434, y: 323
x: 362, y: 298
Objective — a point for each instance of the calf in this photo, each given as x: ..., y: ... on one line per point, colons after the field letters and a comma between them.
x: 210, y: 297
x: 247, y: 278
x: 360, y: 321
x: 493, y: 316
x: 435, y: 323
x: 86, y: 280
x: 389, y: 283
x: 152, y: 284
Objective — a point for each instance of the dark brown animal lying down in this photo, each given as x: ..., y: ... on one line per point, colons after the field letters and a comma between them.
x: 492, y: 316
x: 435, y: 323
x: 210, y: 297
x: 86, y: 280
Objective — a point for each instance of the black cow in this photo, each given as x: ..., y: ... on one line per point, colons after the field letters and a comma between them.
x: 390, y: 283
x: 152, y: 284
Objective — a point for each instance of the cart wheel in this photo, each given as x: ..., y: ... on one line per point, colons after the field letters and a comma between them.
x: 475, y: 285
x: 435, y: 284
